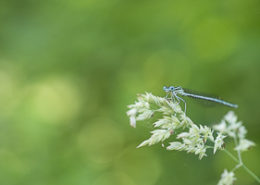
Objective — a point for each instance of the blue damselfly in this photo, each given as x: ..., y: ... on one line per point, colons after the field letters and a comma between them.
x: 175, y: 91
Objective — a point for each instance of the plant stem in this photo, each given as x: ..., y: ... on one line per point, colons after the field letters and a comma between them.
x: 244, y: 166
x: 252, y: 174
x: 238, y: 151
x: 231, y: 155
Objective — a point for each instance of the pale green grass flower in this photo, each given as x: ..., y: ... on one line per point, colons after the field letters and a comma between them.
x: 227, y: 178
x: 192, y: 138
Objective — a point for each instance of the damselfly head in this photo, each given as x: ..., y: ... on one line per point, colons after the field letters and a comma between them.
x: 168, y: 89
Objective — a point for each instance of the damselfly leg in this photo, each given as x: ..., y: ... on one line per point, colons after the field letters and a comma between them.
x: 179, y: 98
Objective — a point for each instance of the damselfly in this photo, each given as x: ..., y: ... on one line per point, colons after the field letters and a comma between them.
x: 175, y: 91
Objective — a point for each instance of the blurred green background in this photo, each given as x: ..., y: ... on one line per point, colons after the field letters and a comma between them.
x: 68, y: 70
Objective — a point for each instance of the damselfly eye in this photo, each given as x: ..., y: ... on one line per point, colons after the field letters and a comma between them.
x: 172, y: 88
x: 165, y: 88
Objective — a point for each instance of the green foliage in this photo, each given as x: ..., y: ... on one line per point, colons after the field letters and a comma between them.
x: 69, y: 68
